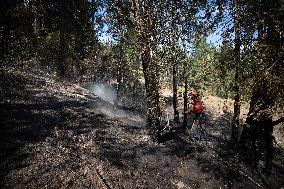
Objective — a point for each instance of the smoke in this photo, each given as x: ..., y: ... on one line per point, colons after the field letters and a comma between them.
x: 104, y: 91
x: 118, y: 113
x: 108, y: 93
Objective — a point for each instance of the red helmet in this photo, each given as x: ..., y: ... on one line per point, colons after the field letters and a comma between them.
x: 194, y: 93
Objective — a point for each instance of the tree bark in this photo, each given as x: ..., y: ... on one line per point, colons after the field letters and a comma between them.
x: 145, y: 34
x: 62, y: 42
x: 185, y: 100
x: 119, y: 74
x: 5, y: 25
x: 174, y: 63
x: 175, y: 96
x: 257, y: 135
x: 237, y: 106
x: 278, y: 121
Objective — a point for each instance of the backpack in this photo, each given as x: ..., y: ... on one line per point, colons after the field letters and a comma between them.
x: 198, y: 107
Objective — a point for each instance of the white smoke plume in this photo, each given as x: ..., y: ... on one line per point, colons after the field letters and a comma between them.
x: 108, y: 93
x: 104, y: 91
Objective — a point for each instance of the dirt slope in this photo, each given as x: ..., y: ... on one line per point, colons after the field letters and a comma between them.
x: 103, y: 147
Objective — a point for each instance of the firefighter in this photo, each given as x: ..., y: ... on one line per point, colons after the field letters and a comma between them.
x: 197, y: 111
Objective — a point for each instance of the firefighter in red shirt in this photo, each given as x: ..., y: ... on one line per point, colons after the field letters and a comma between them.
x: 197, y: 107
x: 197, y: 110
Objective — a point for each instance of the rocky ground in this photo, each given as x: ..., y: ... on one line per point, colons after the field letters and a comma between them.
x: 58, y: 135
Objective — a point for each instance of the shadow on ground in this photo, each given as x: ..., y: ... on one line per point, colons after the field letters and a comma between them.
x: 96, y: 150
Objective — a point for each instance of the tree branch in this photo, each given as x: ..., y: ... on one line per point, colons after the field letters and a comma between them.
x: 276, y: 122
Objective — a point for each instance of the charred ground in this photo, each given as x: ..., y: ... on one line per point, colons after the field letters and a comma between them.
x: 104, y: 147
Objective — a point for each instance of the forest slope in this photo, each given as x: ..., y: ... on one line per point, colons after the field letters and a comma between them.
x: 103, y: 147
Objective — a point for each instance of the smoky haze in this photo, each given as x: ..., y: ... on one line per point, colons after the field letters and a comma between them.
x: 108, y: 93
x: 104, y: 91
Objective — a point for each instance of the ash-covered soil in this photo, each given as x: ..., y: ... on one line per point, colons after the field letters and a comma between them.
x: 99, y: 146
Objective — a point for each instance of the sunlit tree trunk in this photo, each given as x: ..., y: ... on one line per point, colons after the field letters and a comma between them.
x: 119, y: 73
x: 145, y: 34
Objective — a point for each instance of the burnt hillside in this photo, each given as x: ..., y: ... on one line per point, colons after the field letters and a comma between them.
x: 94, y: 148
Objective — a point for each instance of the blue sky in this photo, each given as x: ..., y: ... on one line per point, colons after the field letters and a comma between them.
x: 104, y: 35
x: 214, y: 38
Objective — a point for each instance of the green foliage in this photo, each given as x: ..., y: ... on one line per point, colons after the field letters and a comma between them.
x: 202, y: 69
x: 63, y: 37
x: 60, y: 35
x: 224, y: 71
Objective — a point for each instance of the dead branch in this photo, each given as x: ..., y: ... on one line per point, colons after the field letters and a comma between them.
x: 278, y: 121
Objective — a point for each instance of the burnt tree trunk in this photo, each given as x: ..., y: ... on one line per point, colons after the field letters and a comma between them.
x: 119, y: 75
x: 175, y: 96
x: 174, y: 62
x: 256, y: 141
x: 5, y: 27
x: 62, y: 42
x: 185, y: 100
x: 237, y: 106
x: 257, y: 135
x: 145, y: 34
